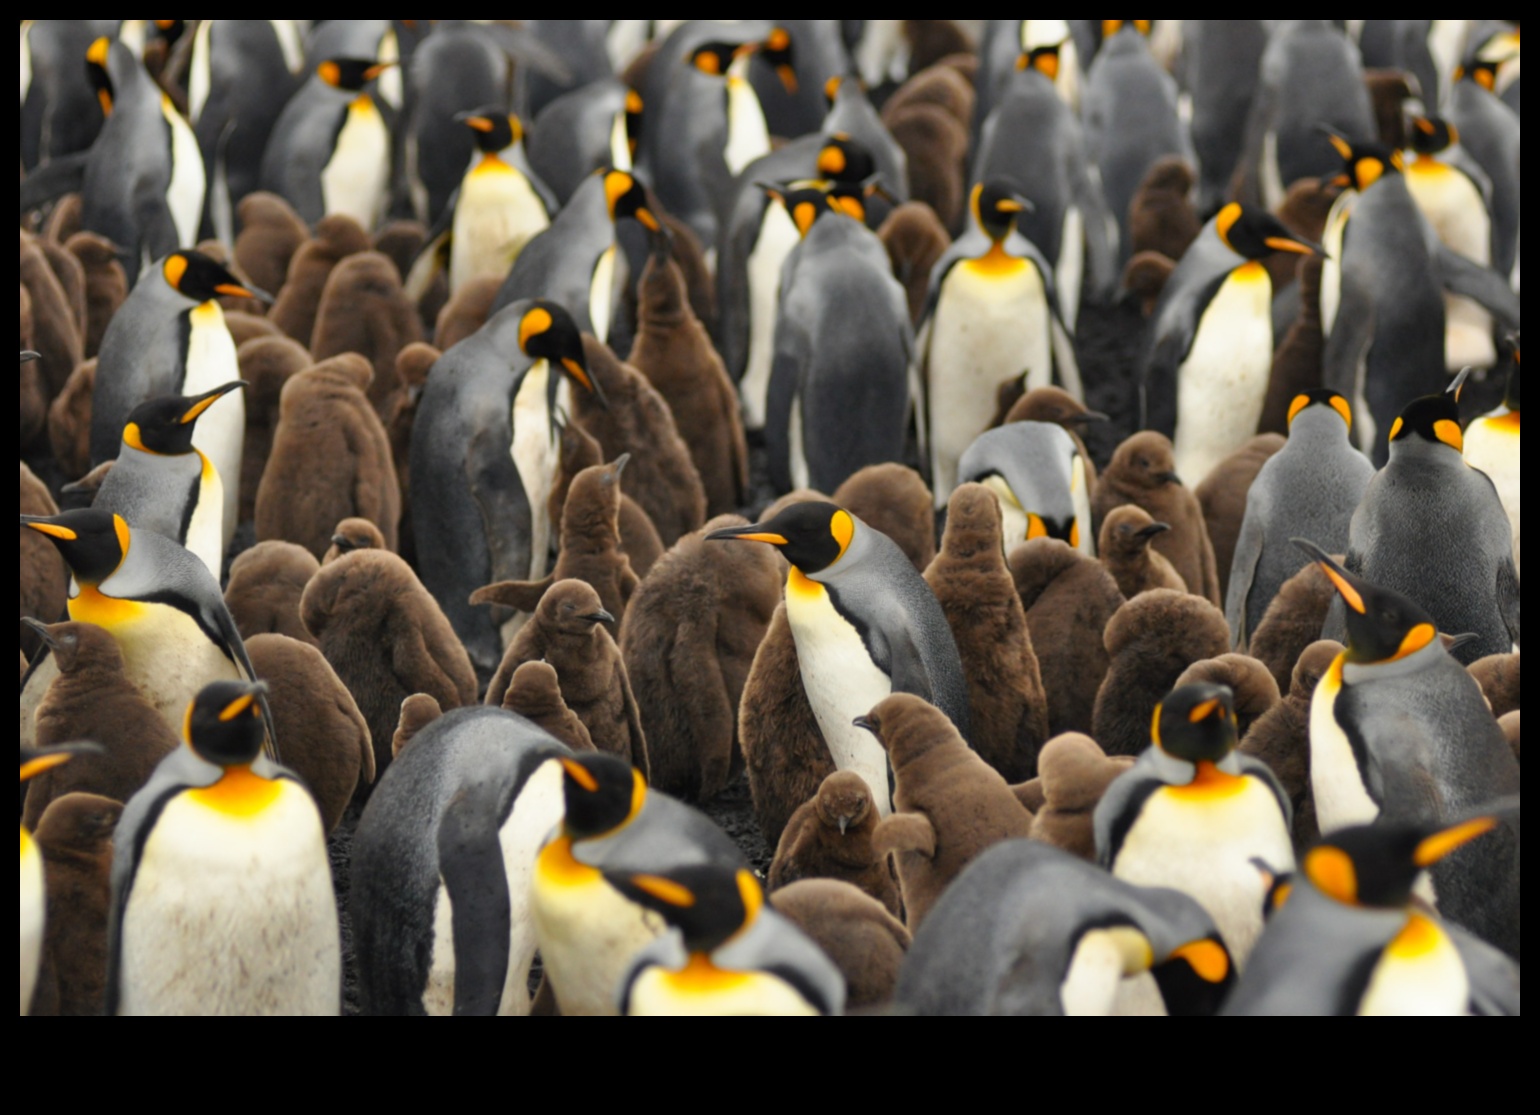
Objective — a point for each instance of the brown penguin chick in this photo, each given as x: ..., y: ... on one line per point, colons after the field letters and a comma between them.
x: 689, y: 642
x: 69, y: 422
x: 106, y: 285
x: 1127, y: 553
x: 45, y: 579
x: 1145, y: 278
x: 64, y: 221
x: 830, y: 837
x: 950, y: 806
x: 1298, y: 363
x: 1223, y: 495
x: 412, y: 368
x: 336, y: 238
x: 466, y: 312
x: 638, y: 537
x: 1305, y: 210
x: 662, y: 477
x: 940, y: 86
x: 1069, y: 599
x: 1293, y: 621
x: 1510, y: 727
x: 674, y: 352
x: 568, y: 632
x: 387, y: 639
x: 931, y: 41
x: 590, y: 550
x: 271, y: 233
x: 351, y: 535
x: 1389, y: 91
x: 246, y: 327
x: 783, y: 747
x: 1152, y: 641
x: 1143, y: 472
x: 894, y: 500
x: 535, y: 694
x: 55, y: 325
x: 34, y: 394
x: 916, y: 240
x: 266, y: 585
x: 1074, y: 773
x: 72, y: 279
x: 1005, y: 685
x: 1162, y: 218
x: 1281, y: 739
x: 82, y: 493
x: 92, y: 699
x: 866, y: 942
x: 330, y: 460
x: 322, y: 736
x: 363, y: 310
x: 267, y: 365
x: 417, y: 712
x: 401, y: 242
x: 1058, y: 407
x: 936, y: 145
x: 1498, y: 677
x: 1256, y: 692
x: 75, y: 839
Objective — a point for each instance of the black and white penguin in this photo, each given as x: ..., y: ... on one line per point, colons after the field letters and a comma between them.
x: 1492, y: 446
x: 1037, y: 474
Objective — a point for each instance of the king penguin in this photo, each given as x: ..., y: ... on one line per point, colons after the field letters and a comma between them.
x: 1492, y: 446
x: 157, y: 600
x: 1037, y: 474
x: 993, y: 315
x: 589, y: 932
x: 1401, y: 733
x: 222, y: 902
x: 501, y: 205
x: 1351, y: 940
x: 866, y: 626
x: 484, y: 460
x: 728, y: 955
x: 1309, y: 490
x: 170, y: 338
x: 33, y: 894
x: 1197, y: 816
x: 162, y: 484
x: 1491, y: 134
x: 1210, y: 354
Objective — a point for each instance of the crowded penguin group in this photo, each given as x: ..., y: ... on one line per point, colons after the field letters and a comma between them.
x: 781, y: 517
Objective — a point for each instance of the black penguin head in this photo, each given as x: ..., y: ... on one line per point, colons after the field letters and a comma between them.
x: 194, y: 275
x: 777, y: 51
x: 1111, y: 27
x: 1197, y: 978
x: 1431, y: 134
x: 805, y: 201
x: 169, y: 31
x: 1256, y: 234
x: 34, y: 763
x: 1378, y: 866
x: 635, y: 114
x: 708, y: 905
x: 1043, y: 60
x: 1327, y: 399
x: 1197, y: 724
x: 1364, y: 164
x: 93, y: 543
x: 1482, y: 71
x: 224, y: 724
x: 602, y: 794
x: 165, y: 426
x: 350, y: 74
x: 997, y: 206
x: 812, y: 536
x: 846, y: 160
x: 494, y: 129
x: 98, y: 58
x: 1382, y: 626
x: 1434, y: 419
x: 547, y: 332
x: 627, y: 197
x: 715, y: 58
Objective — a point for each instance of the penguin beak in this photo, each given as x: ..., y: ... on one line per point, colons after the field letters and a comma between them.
x: 240, y: 290
x: 865, y: 723
x: 748, y: 534
x: 875, y: 188
x: 48, y: 527
x: 343, y: 543
x: 1440, y: 846
x: 1090, y: 417
x: 1170, y: 478
x: 202, y: 402
x: 1340, y: 578
x: 1454, y: 643
x: 242, y: 704
x: 379, y: 68
x: 1296, y: 245
x: 576, y: 369
x: 40, y: 629
x: 475, y: 122
x: 1208, y: 960
x: 28, y: 357
x: 601, y: 616
x: 620, y: 464
x: 1154, y: 530
x: 55, y: 757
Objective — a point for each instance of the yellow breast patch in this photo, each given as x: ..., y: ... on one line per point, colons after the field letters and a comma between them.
x: 1421, y: 937
x: 1504, y: 424
x: 491, y: 164
x: 26, y: 842
x: 800, y: 585
x: 701, y: 977
x: 996, y: 263
x: 1250, y: 272
x: 240, y: 793
x: 558, y: 867
x: 90, y: 606
x: 1210, y: 785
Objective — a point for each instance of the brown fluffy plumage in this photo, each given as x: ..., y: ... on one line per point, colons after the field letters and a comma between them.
x: 1281, y: 739
x: 417, y: 712
x: 299, y: 300
x: 1162, y: 218
x: 936, y: 145
x: 830, y: 837
x: 1146, y: 277
x: 106, y: 285
x: 69, y: 422
x: 1223, y: 495
x: 75, y: 838
x: 271, y: 233
x: 941, y: 86
x: 866, y: 942
x: 465, y: 312
x: 44, y: 577
x: 1127, y: 552
x: 916, y: 240
x: 412, y: 368
x: 638, y: 537
x: 1498, y: 677
x: 364, y: 311
x: 894, y: 500
x: 1074, y: 775
x: 34, y: 395
x: 1292, y: 622
x: 55, y: 323
x: 266, y: 585
x: 267, y: 364
x: 1510, y: 726
x: 1297, y: 365
x: 535, y: 694
x: 1256, y: 693
x: 351, y: 535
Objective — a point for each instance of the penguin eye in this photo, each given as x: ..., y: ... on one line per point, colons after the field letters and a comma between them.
x: 1144, y: 462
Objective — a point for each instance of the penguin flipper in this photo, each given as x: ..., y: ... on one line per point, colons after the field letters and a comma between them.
x: 786, y: 371
x: 1494, y: 976
x: 1119, y: 809
x: 433, y: 260
x: 1243, y: 572
x: 471, y: 864
x: 905, y: 832
x: 1263, y: 773
x: 1481, y: 284
x: 1066, y: 364
x: 1508, y: 597
x: 521, y: 596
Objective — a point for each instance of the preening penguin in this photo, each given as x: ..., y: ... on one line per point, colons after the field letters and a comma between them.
x: 33, y: 896
x: 1037, y: 474
x: 222, y: 902
x: 1492, y: 446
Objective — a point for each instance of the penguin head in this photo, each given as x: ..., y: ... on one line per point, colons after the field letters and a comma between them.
x: 1378, y: 866
x: 1382, y: 626
x: 350, y: 75
x: 1431, y: 135
x: 627, y: 197
x: 1146, y: 460
x: 169, y: 31
x: 547, y: 332
x: 635, y: 111
x: 224, y: 723
x: 909, y: 727
x: 1325, y: 400
x: 709, y: 906
x: 805, y: 201
x: 493, y: 129
x: 997, y: 205
x: 1254, y: 233
x: 100, y: 58
x: 844, y: 801
x: 77, y: 645
x: 1043, y: 60
x: 164, y: 426
x: 847, y: 160
x: 1111, y: 27
x: 569, y: 608
x: 199, y: 278
x: 715, y: 58
x: 1129, y: 531
x: 34, y: 763
x: 777, y: 51
x: 812, y: 536
x: 93, y: 543
x: 1433, y: 420
x: 602, y: 794
x: 1197, y: 724
x: 1364, y: 163
x: 1481, y: 70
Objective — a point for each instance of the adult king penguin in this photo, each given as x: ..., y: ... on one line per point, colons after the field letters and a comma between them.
x: 1210, y: 353
x: 501, y: 205
x: 1400, y: 733
x: 484, y: 460
x: 222, y: 902
x: 1036, y: 473
x: 993, y: 315
x: 1492, y: 446
x: 170, y: 338
x: 33, y: 895
x: 866, y: 625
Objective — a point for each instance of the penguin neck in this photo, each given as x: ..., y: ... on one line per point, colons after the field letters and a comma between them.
x: 1318, y: 429
x: 997, y: 261
x: 1206, y: 778
x: 1355, y: 673
x: 748, y: 135
x: 1416, y: 452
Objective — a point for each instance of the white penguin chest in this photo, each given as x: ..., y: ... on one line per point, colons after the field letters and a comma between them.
x: 1453, y: 206
x: 200, y: 76
x: 188, y: 182
x: 1420, y: 975
x: 205, y: 537
x: 1492, y: 445
x: 714, y: 993
x: 1333, y: 240
x: 1341, y: 797
x: 602, y: 293
x: 497, y: 215
x: 1103, y: 959
x: 26, y: 69
x: 842, y: 682
x: 221, y: 431
x: 777, y: 238
x: 32, y: 900
x: 357, y: 176
x: 748, y: 136
x: 232, y: 911
x: 1222, y: 385
x: 620, y: 144
x: 537, y: 456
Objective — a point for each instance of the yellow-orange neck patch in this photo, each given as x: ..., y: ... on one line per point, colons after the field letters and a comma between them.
x: 701, y: 977
x: 240, y: 793
x: 559, y: 867
x: 1418, y: 938
x: 1210, y: 784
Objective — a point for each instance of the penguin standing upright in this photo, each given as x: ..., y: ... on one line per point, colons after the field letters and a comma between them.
x: 598, y: 125
x: 170, y: 338
x: 1491, y: 134
x: 993, y: 315
x: 33, y: 895
x: 222, y: 902
x: 1037, y: 474
x: 60, y: 114
x: 501, y: 205
x: 1492, y: 446
x: 1210, y: 353
x: 162, y: 484
x: 1224, y: 63
x: 866, y: 625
